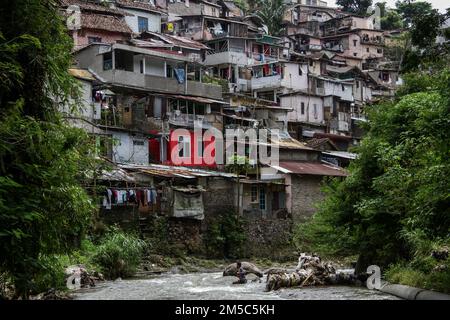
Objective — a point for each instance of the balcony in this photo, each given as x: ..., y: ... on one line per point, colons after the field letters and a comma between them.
x: 265, y: 82
x: 188, y: 120
x: 160, y: 84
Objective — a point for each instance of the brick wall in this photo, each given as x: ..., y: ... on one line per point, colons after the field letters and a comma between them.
x: 305, y: 194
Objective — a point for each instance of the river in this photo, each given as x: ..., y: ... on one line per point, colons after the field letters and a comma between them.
x: 213, y: 286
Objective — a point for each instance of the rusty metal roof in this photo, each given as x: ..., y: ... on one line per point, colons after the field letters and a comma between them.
x: 175, y: 171
x: 82, y: 74
x: 313, y: 168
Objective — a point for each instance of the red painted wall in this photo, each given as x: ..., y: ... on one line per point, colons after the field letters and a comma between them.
x: 190, y: 162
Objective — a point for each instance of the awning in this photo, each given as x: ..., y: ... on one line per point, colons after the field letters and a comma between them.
x: 196, y: 99
x: 341, y: 154
x: 312, y: 168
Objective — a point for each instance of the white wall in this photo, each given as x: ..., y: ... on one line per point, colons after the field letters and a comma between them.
x: 292, y: 78
x: 154, y: 20
x: 153, y: 67
x: 335, y: 89
x: 311, y: 114
x: 125, y: 151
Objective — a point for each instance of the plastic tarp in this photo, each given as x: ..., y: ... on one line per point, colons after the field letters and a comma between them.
x: 188, y: 205
x: 180, y: 75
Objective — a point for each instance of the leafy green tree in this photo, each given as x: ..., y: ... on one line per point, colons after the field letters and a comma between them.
x: 355, y: 6
x: 425, y: 28
x: 409, y: 10
x: 43, y: 207
x: 271, y: 13
x: 391, y: 20
x: 398, y: 187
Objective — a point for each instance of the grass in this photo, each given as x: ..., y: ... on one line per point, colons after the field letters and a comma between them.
x: 433, y: 279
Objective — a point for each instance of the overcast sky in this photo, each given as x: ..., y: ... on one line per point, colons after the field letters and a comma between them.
x: 438, y: 4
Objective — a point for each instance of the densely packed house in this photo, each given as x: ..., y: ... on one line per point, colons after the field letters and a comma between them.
x: 150, y: 67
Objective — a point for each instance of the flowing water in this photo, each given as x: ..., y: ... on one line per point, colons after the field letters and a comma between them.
x: 204, y: 286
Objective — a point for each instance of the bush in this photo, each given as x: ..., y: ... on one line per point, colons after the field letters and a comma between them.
x: 226, y: 237
x: 50, y: 275
x: 118, y: 254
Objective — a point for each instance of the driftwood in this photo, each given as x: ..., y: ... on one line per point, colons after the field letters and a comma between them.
x: 310, y: 271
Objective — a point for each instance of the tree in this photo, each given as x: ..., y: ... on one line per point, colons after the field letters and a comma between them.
x: 44, y: 208
x: 398, y: 186
x: 409, y: 10
x: 391, y: 20
x: 425, y: 28
x: 355, y: 6
x: 271, y: 12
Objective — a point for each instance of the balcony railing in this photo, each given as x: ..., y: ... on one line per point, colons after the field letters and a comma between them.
x: 161, y: 84
x: 265, y: 82
x: 188, y: 120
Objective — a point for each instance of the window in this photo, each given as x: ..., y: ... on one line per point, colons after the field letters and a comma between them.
x: 138, y: 142
x: 169, y: 71
x: 315, y: 111
x: 142, y: 24
x: 141, y: 66
x: 254, y: 193
x: 319, y: 83
x: 107, y: 61
x: 342, y: 87
x: 354, y: 42
x: 311, y: 63
x: 355, y: 54
x: 262, y: 198
x: 379, y: 50
x: 94, y: 40
x: 184, y: 150
x: 303, y: 108
x: 367, y: 49
x: 357, y: 84
x: 200, y: 147
x: 300, y: 72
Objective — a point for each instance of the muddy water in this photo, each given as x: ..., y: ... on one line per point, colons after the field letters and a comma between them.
x: 205, y: 286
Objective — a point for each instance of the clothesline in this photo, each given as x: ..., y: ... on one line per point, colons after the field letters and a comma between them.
x: 140, y: 196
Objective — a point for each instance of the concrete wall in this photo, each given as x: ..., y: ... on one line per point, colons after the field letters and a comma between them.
x: 269, y: 238
x: 305, y: 193
x: 154, y: 20
x: 126, y: 151
x: 311, y: 114
x: 292, y: 78
x: 81, y: 38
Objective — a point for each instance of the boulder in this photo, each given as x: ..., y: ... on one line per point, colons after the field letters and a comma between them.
x: 231, y: 270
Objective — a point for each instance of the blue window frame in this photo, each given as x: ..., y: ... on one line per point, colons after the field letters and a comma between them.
x: 142, y: 24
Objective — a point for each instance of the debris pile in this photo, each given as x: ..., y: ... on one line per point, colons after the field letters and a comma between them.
x: 310, y: 271
x: 231, y: 270
x: 78, y: 277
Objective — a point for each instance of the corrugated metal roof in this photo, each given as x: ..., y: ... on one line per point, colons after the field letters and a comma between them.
x: 82, y: 74
x: 176, y: 171
x: 341, y: 154
x: 313, y: 168
x: 197, y: 99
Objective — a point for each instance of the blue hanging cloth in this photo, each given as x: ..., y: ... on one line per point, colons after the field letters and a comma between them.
x: 180, y: 75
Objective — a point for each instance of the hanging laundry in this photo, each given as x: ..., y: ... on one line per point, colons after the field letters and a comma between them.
x: 154, y: 194
x: 180, y: 75
x: 149, y: 196
x: 107, y: 198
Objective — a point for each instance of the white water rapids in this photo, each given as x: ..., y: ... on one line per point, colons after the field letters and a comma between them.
x: 213, y: 286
